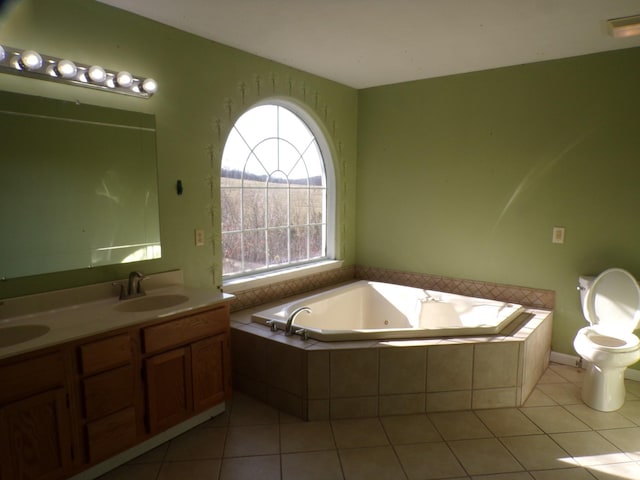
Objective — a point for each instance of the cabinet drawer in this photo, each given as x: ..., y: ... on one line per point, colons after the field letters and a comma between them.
x: 106, y: 353
x: 108, y: 392
x: 18, y: 380
x: 186, y: 329
x: 112, y: 434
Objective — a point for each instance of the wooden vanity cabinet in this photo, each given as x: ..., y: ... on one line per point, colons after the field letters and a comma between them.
x: 35, y: 441
x: 108, y: 396
x: 186, y: 366
x: 65, y: 409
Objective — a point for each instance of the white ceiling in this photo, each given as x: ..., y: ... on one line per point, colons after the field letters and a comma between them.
x: 365, y: 43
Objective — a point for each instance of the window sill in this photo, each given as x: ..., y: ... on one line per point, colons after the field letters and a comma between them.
x: 256, y: 281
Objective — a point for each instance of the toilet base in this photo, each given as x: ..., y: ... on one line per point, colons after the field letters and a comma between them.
x: 604, y: 390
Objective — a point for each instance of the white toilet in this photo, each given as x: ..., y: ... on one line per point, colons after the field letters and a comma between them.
x: 611, y: 304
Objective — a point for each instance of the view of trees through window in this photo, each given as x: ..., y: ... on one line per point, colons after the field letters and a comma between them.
x: 273, y: 193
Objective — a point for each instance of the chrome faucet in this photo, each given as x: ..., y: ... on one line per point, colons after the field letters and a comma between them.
x: 289, y: 330
x: 134, y: 287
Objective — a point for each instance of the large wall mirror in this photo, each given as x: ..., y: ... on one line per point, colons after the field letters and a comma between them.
x: 78, y: 186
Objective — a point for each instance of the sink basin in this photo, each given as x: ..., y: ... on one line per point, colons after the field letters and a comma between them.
x: 20, y: 333
x: 152, y: 302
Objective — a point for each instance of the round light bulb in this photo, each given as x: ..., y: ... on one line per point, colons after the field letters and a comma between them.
x: 3, y: 54
x: 66, y: 69
x: 149, y: 85
x: 124, y: 79
x: 31, y: 60
x: 97, y: 74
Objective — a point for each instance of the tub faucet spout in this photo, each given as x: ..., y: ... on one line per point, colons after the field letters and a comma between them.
x: 289, y: 330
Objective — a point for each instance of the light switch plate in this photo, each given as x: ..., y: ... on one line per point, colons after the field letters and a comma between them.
x: 558, y: 235
x: 199, y: 237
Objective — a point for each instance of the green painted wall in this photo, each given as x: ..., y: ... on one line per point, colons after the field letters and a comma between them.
x: 203, y: 88
x: 465, y: 176
x: 462, y: 176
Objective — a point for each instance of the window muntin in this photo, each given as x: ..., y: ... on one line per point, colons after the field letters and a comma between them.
x: 273, y: 193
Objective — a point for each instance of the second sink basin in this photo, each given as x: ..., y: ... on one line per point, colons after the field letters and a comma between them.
x: 152, y: 302
x: 20, y: 333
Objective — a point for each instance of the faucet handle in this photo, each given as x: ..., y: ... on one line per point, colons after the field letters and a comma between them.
x: 123, y: 289
x: 273, y: 325
x: 303, y: 333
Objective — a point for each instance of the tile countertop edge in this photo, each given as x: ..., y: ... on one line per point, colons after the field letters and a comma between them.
x: 87, y: 319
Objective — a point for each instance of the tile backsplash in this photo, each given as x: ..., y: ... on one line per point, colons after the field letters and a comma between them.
x: 529, y: 297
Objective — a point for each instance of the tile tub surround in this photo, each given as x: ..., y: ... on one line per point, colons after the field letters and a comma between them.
x: 337, y: 380
x: 530, y: 297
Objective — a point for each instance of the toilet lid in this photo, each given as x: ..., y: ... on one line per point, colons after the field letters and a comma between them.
x: 613, y: 301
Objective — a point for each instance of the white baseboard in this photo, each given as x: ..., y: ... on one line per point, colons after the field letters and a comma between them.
x: 564, y: 359
x: 574, y: 361
x: 124, y: 457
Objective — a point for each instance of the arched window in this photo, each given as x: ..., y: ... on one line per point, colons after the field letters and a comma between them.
x: 273, y: 192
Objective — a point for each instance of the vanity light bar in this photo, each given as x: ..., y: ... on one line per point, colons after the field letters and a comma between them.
x: 32, y: 64
x: 624, y: 27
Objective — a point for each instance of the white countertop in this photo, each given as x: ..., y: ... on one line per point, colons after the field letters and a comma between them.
x: 72, y: 322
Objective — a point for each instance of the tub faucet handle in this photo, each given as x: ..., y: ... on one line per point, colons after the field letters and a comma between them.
x: 272, y: 324
x: 302, y: 332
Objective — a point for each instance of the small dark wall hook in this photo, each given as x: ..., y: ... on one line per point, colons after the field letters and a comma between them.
x: 179, y: 188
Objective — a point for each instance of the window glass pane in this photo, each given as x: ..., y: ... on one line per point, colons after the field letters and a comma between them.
x: 299, y: 206
x: 317, y: 198
x: 236, y: 152
x: 254, y: 171
x: 231, y: 201
x: 231, y: 182
x: 315, y: 165
x: 254, y: 250
x: 278, y: 246
x: 278, y: 198
x: 294, y: 129
x: 254, y: 201
x: 299, y: 241
x: 299, y: 175
x: 317, y: 247
x: 231, y: 252
x: 267, y: 153
x: 258, y: 123
x: 289, y: 157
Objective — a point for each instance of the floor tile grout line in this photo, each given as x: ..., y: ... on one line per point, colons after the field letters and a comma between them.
x: 393, y: 447
x: 280, y: 445
x: 335, y: 442
x: 566, y: 407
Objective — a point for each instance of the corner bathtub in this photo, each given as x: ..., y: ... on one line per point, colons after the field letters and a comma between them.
x: 374, y: 310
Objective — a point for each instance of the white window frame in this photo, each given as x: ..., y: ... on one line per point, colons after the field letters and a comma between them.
x: 243, y: 281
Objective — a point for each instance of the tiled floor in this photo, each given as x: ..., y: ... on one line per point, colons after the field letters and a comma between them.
x: 554, y: 436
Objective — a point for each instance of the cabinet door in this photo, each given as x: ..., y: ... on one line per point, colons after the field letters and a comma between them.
x: 207, y: 364
x: 168, y: 382
x: 36, y: 431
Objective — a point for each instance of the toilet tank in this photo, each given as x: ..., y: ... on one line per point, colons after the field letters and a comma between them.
x: 584, y: 284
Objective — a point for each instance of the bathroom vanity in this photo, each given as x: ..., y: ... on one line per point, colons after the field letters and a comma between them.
x: 105, y: 379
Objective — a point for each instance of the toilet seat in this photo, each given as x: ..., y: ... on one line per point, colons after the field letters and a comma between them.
x: 604, y: 340
x: 613, y: 303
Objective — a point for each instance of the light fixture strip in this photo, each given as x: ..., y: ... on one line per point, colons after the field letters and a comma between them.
x: 624, y: 27
x: 32, y: 64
